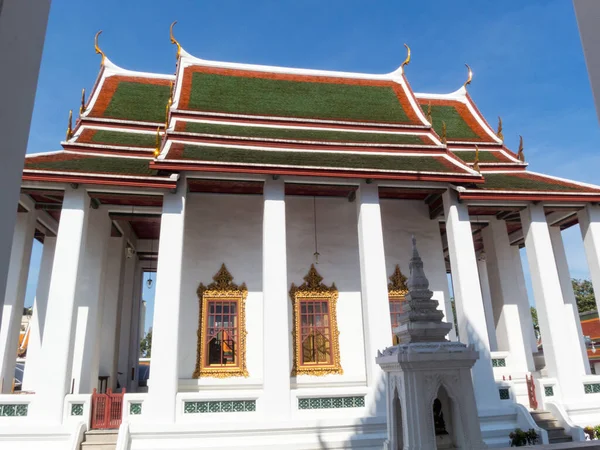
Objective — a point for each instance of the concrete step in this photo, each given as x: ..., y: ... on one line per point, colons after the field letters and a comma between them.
x: 556, y: 433
x: 100, y: 440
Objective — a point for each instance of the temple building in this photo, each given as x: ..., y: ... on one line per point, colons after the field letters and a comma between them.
x: 276, y: 207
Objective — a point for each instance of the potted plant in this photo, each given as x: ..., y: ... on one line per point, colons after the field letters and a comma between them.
x: 590, y: 433
x: 520, y: 438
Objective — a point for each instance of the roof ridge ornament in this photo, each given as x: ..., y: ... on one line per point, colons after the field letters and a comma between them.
x: 521, y: 154
x: 470, y: 76
x: 70, y: 125
x: 407, y: 60
x: 173, y: 40
x: 429, y: 117
x: 444, y: 132
x: 97, y: 48
x: 476, y: 163
x: 82, y: 106
x: 157, y: 147
x: 499, y: 131
x: 168, y: 107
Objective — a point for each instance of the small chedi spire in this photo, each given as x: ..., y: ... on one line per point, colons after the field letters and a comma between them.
x: 173, y: 40
x: 97, y: 48
x: 521, y: 154
x: 499, y: 131
x: 470, y: 76
x: 407, y: 60
x: 476, y: 163
x: 420, y: 320
x: 70, y: 125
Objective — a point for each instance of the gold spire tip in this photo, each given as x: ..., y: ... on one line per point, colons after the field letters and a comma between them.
x: 70, y: 125
x: 521, y: 154
x: 407, y: 60
x: 97, y: 48
x: 82, y: 106
x: 499, y: 131
x: 173, y: 40
x: 470, y: 76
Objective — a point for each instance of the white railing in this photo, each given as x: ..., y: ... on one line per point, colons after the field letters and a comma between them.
x: 526, y: 422
x: 562, y: 417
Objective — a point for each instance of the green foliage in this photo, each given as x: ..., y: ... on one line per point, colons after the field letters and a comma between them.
x: 124, y: 139
x: 456, y: 127
x: 146, y: 345
x: 139, y: 101
x: 301, y: 134
x: 584, y: 293
x: 310, y: 159
x: 506, y: 181
x: 536, y: 324
x: 243, y: 95
x: 520, y: 438
x: 95, y: 164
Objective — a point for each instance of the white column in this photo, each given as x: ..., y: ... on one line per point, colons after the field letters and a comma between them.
x: 589, y: 222
x: 164, y: 376
x: 527, y: 320
x: 38, y: 318
x: 89, y: 295
x: 571, y: 311
x: 469, y: 302
x: 487, y: 304
x: 511, y: 334
x: 109, y: 334
x: 134, y: 333
x: 276, y: 374
x: 374, y: 292
x: 14, y: 299
x: 125, y: 322
x: 562, y: 362
x: 56, y: 354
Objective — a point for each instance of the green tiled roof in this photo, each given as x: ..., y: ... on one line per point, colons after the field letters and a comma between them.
x: 138, y: 101
x: 261, y: 96
x: 316, y: 159
x: 469, y: 156
x: 123, y: 138
x: 456, y: 127
x: 91, y: 164
x: 301, y: 134
x: 524, y: 183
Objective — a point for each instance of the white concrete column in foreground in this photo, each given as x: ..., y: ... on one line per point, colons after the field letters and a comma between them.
x: 113, y: 284
x: 487, y: 304
x: 276, y: 384
x: 164, y: 376
x: 589, y: 222
x: 88, y: 304
x: 134, y: 332
x: 16, y: 284
x: 38, y: 319
x: 511, y: 334
x: 56, y: 354
x: 126, y: 303
x: 377, y: 324
x: 469, y: 302
x: 526, y: 321
x: 571, y: 311
x: 562, y: 361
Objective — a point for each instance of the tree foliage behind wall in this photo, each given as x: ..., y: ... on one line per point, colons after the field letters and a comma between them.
x: 146, y: 345
x: 584, y: 293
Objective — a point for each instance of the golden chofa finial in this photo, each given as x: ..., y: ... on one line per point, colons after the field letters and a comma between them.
x: 98, y: 50
x: 476, y: 162
x: 521, y: 154
x: 173, y: 40
x: 407, y: 60
x: 469, y: 78
x: 157, y: 147
x: 499, y: 131
x: 444, y: 137
x: 70, y: 125
x: 429, y: 116
x: 82, y: 106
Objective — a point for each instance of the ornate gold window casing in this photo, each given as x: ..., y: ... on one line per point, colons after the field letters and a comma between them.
x: 223, y: 303
x: 315, y: 319
x: 397, y: 291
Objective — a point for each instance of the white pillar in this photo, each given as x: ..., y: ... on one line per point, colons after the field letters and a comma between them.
x: 571, y: 311
x: 89, y: 296
x: 134, y: 333
x: 469, y: 302
x: 14, y: 298
x: 56, y: 354
x: 374, y: 292
x: 487, y: 304
x: 109, y: 334
x: 562, y: 362
x: 589, y: 222
x: 527, y: 320
x: 125, y: 322
x: 38, y: 318
x: 276, y: 374
x: 511, y: 334
x: 22, y: 31
x: 164, y: 376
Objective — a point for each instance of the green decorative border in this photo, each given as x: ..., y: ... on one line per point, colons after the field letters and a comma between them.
x: 77, y: 409
x: 357, y: 401
x: 549, y: 391
x: 504, y: 393
x: 18, y: 410
x: 498, y: 362
x: 219, y: 406
x: 592, y: 388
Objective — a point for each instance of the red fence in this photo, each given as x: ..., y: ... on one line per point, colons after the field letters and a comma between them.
x: 107, y: 410
x: 531, y: 392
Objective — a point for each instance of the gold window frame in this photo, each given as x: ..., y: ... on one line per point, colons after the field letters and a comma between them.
x: 314, y: 290
x: 222, y: 288
x: 397, y: 291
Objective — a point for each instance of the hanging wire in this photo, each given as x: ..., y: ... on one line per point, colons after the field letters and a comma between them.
x: 316, y: 254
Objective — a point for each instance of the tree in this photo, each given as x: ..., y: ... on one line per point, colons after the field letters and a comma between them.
x: 536, y: 324
x: 584, y: 293
x: 146, y: 345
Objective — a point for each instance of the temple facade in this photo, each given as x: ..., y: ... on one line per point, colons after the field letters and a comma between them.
x: 276, y: 207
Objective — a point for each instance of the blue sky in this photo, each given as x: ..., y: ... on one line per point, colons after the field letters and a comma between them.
x: 526, y: 56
